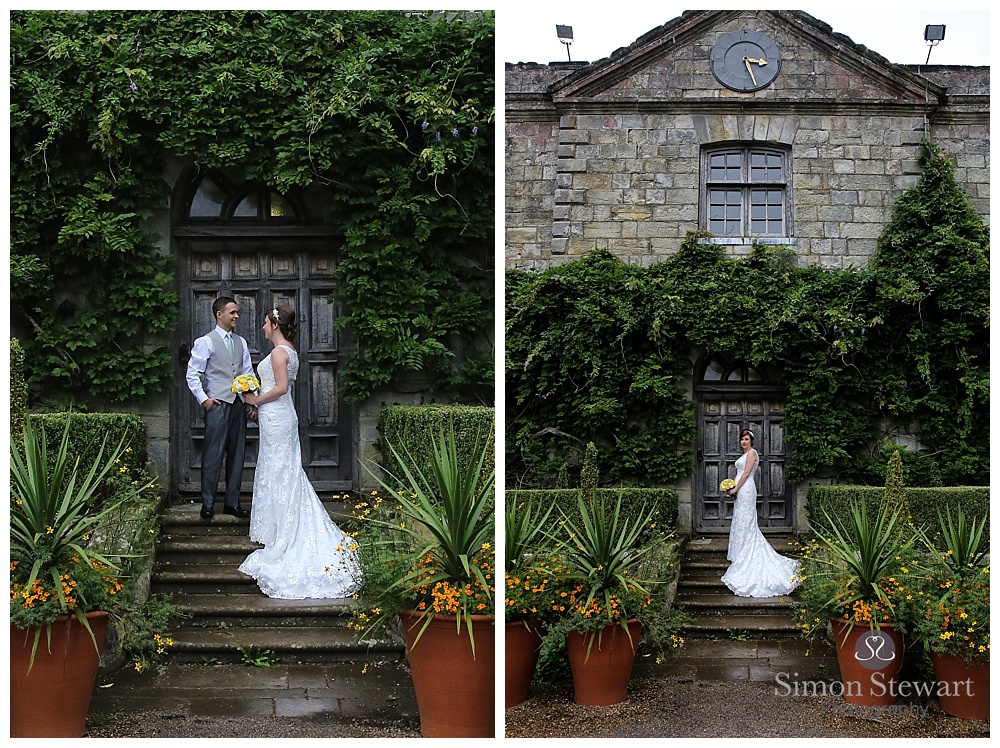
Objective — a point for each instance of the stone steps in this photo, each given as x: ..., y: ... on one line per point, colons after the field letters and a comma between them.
x: 746, y: 655
x: 716, y: 613
x: 225, y: 616
x: 292, y: 644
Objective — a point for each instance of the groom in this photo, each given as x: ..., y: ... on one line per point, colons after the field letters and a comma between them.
x: 216, y: 360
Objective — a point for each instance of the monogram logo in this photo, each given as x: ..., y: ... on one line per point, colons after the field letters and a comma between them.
x: 874, y: 649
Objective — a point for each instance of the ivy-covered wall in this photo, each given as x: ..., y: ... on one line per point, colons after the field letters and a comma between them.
x: 392, y: 111
x: 599, y: 350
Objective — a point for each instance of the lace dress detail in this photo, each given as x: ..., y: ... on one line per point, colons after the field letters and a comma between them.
x: 306, y: 555
x: 757, y: 569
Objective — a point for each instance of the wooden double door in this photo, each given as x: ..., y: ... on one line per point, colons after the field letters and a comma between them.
x: 261, y: 273
x: 722, y: 415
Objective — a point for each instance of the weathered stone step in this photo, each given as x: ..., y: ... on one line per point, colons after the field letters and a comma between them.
x: 760, y: 626
x: 189, y: 515
x: 702, y: 604
x: 301, y: 644
x: 217, y: 544
x: 199, y: 574
x: 212, y: 529
x: 167, y: 560
x: 705, y: 564
x: 251, y: 609
x: 783, y: 543
x: 261, y: 605
x: 707, y: 584
x: 201, y: 579
x: 735, y: 601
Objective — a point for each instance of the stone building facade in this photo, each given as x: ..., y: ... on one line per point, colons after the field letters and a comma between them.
x: 614, y: 154
x: 754, y: 126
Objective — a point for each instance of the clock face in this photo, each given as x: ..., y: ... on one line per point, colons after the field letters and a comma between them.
x: 745, y: 60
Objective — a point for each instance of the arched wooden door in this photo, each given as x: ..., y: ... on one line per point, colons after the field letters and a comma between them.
x: 259, y: 248
x: 732, y: 396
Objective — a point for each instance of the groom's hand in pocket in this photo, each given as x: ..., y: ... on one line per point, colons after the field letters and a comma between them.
x: 209, y: 402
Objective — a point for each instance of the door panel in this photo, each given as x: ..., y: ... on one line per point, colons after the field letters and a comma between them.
x: 721, y: 417
x: 261, y: 273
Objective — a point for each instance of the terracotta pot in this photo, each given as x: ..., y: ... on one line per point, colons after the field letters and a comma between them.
x: 522, y: 640
x: 52, y: 699
x: 454, y: 689
x: 963, y: 690
x: 602, y: 678
x: 869, y: 663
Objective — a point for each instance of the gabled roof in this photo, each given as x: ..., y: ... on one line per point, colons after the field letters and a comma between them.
x: 856, y: 72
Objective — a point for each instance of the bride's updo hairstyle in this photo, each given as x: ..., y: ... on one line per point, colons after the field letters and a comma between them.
x: 747, y: 432
x: 285, y: 317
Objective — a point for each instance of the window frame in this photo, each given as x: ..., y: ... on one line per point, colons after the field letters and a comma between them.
x: 745, y: 186
x: 233, y: 194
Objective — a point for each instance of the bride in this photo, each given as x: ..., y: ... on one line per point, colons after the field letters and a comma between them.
x: 305, y: 555
x: 757, y: 569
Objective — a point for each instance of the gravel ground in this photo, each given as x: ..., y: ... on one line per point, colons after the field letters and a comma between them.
x: 166, y: 724
x: 677, y: 707
x: 662, y: 707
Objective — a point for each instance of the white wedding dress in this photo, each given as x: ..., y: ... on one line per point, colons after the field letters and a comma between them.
x: 305, y: 555
x: 757, y: 569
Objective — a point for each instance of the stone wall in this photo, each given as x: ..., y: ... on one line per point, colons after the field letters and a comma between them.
x: 607, y: 156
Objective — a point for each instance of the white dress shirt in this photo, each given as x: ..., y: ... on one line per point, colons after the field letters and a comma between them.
x: 202, y: 349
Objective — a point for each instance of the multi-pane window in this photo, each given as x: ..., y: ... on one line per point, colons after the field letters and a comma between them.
x: 745, y: 192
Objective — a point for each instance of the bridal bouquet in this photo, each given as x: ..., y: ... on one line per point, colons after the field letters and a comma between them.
x: 726, y: 485
x: 245, y: 383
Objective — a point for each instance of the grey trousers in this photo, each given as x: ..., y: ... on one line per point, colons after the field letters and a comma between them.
x: 225, y: 442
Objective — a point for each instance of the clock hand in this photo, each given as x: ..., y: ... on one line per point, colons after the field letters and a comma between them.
x: 761, y: 62
x: 746, y: 61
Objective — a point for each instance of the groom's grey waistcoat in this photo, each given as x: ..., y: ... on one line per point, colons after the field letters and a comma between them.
x: 222, y: 368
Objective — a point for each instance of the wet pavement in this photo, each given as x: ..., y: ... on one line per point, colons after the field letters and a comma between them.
x: 336, y: 699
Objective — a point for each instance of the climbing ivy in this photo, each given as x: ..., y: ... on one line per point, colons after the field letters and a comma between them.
x: 391, y: 111
x: 597, y: 351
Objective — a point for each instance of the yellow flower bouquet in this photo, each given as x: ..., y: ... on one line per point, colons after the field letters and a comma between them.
x: 726, y: 485
x: 245, y: 383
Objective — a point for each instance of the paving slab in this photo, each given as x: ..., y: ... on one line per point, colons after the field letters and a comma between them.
x: 348, y: 691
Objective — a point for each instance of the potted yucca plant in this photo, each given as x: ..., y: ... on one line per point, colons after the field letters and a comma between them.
x: 855, y: 578
x: 427, y: 565
x: 61, y: 588
x: 526, y: 580
x: 951, y: 617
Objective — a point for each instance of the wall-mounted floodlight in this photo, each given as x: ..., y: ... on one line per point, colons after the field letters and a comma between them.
x: 933, y: 34
x: 565, y: 34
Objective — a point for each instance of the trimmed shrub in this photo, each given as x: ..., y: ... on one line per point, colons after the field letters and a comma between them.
x: 414, y: 429
x: 923, y: 502
x: 18, y: 392
x: 88, y: 431
x: 664, y: 500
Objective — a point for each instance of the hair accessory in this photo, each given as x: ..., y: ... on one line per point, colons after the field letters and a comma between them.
x: 274, y: 313
x: 751, y: 433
